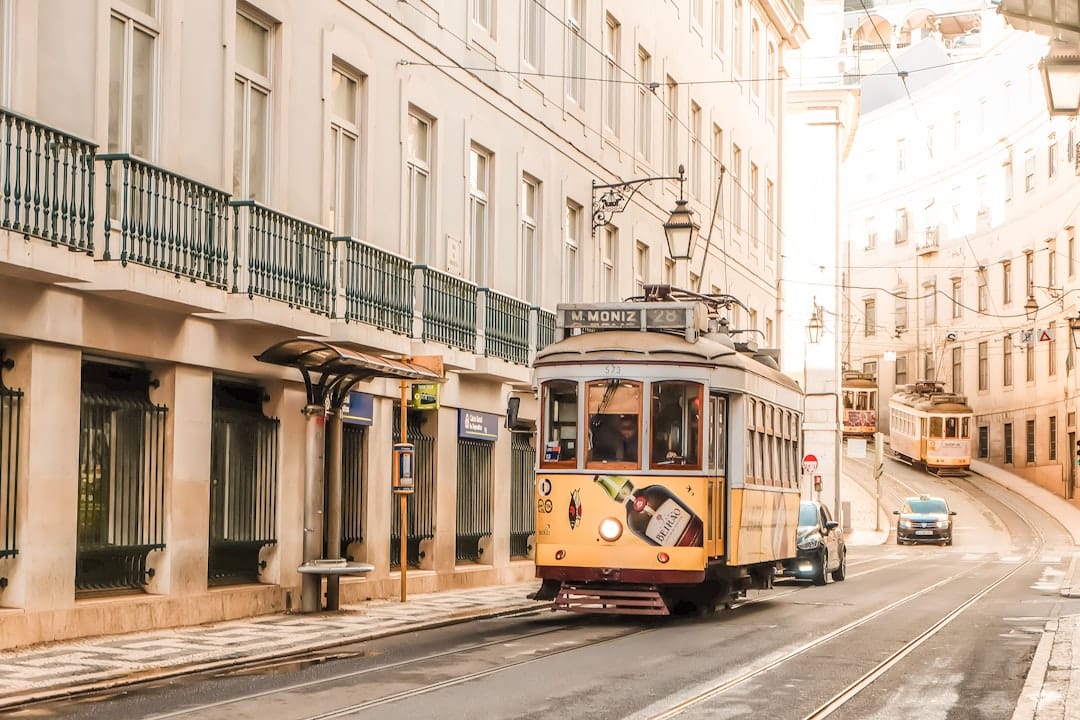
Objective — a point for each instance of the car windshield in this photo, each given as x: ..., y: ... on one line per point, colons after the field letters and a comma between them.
x: 807, y: 514
x: 932, y: 505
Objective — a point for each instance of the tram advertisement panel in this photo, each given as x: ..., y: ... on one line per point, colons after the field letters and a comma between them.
x: 589, y: 516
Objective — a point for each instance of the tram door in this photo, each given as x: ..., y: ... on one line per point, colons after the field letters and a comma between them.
x: 714, y: 540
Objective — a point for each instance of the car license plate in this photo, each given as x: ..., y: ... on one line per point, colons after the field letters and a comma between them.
x: 924, y: 532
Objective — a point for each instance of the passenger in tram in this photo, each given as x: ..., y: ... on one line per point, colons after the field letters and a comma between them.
x: 950, y: 427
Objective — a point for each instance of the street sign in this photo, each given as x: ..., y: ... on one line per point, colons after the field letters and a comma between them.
x: 809, y: 464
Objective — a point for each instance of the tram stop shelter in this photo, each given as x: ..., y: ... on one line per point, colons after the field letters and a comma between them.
x: 330, y: 371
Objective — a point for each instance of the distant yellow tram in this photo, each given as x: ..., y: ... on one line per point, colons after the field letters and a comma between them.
x: 668, y: 463
x: 931, y: 427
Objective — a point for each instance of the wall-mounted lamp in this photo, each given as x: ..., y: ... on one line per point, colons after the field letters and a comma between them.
x: 680, y: 227
x: 1074, y: 330
x: 816, y: 326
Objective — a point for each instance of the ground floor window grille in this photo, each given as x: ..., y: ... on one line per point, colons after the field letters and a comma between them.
x: 10, y: 419
x: 474, y: 498
x: 522, y: 479
x: 984, y: 441
x: 421, y: 503
x: 1008, y: 442
x: 121, y: 498
x: 353, y: 482
x: 243, y: 484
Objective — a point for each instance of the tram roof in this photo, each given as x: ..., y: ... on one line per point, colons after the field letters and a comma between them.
x: 633, y: 346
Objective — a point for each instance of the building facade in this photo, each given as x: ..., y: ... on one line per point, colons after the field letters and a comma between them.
x: 961, y: 201
x: 186, y: 185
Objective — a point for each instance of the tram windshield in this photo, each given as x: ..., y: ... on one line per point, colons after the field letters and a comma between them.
x: 676, y: 423
x: 949, y: 427
x: 613, y: 410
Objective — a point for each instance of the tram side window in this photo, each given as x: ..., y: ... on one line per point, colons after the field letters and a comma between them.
x: 560, y: 410
x: 614, y: 423
x: 965, y: 427
x: 676, y: 423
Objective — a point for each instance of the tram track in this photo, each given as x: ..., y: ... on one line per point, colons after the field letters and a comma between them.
x: 201, y: 709
x: 850, y: 691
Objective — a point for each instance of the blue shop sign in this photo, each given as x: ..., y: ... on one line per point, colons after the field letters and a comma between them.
x: 360, y: 409
x: 478, y: 425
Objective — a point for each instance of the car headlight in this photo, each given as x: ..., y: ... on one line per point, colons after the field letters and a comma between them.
x: 610, y: 529
x: 906, y: 524
x: 810, y: 542
x: 943, y: 523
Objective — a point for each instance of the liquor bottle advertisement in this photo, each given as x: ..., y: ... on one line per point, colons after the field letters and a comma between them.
x: 654, y: 512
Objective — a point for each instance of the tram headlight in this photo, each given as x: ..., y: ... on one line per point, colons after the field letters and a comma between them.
x: 810, y: 542
x: 610, y: 529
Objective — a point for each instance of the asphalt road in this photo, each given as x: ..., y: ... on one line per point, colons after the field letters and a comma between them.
x: 914, y: 631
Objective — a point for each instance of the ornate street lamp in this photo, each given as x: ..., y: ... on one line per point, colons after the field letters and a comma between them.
x: 816, y: 326
x: 680, y: 229
x: 1061, y: 82
x: 1031, y: 308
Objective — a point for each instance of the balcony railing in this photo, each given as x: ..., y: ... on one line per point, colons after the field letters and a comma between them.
x: 929, y: 240
x: 285, y: 258
x: 449, y: 308
x: 545, y: 328
x: 506, y: 327
x: 48, y: 183
x: 378, y: 285
x: 166, y: 221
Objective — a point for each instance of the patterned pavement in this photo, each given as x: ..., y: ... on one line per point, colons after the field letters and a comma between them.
x: 56, y: 669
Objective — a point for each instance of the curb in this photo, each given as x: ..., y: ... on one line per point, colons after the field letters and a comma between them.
x: 1068, y: 587
x: 1028, y: 701
x: 8, y: 702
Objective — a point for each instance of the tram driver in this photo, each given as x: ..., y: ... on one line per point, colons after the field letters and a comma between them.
x: 618, y: 441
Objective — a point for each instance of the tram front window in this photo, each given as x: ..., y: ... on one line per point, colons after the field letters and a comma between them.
x: 950, y: 427
x: 935, y: 427
x: 676, y: 423
x: 560, y: 423
x: 614, y: 423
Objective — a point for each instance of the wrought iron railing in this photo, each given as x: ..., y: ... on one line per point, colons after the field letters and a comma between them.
x: 449, y: 309
x: 283, y: 258
x: 121, y: 503
x: 545, y: 328
x: 166, y: 221
x: 474, y: 499
x: 522, y: 478
x: 378, y: 285
x: 421, y: 510
x: 48, y: 183
x: 243, y: 493
x: 506, y: 327
x: 10, y: 421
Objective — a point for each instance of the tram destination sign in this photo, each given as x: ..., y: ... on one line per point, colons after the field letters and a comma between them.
x: 627, y: 316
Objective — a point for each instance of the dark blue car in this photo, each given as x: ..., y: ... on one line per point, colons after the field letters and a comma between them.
x: 924, y: 519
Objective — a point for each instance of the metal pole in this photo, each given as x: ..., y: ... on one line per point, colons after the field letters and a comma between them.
x: 314, y: 437
x: 333, y: 507
x: 403, y: 497
x: 879, y: 469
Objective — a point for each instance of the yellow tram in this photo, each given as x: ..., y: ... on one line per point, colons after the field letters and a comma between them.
x: 669, y: 461
x: 859, y: 390
x: 931, y: 427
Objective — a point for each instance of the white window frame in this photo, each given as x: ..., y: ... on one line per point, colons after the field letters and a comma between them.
x: 529, y: 263
x: 419, y: 171
x: 571, y: 290
x: 612, y: 40
x: 671, y: 126
x: 754, y: 209
x: 643, y: 144
x: 736, y: 35
x: 532, y: 41
x: 718, y: 25
x: 695, y: 149
x: 641, y: 266
x: 7, y: 55
x: 575, y: 52
x: 253, y: 82
x: 482, y: 14
x: 479, y: 213
x: 737, y: 190
x: 608, y: 250
x: 342, y: 128
x: 134, y: 21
